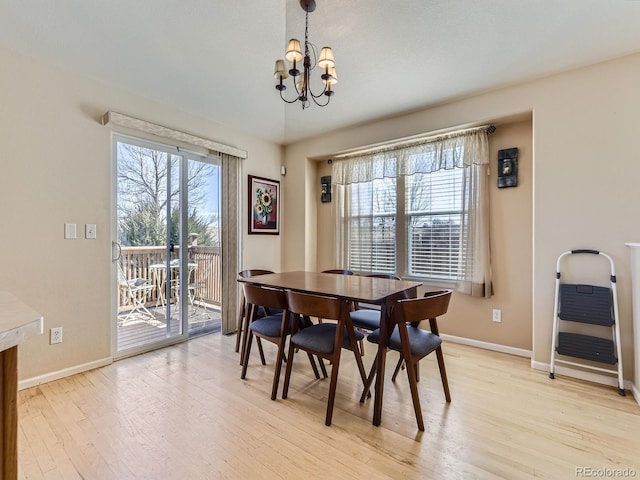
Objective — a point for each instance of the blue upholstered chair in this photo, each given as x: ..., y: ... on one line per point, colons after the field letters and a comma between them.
x: 273, y: 328
x: 414, y: 343
x: 325, y: 340
x: 242, y: 311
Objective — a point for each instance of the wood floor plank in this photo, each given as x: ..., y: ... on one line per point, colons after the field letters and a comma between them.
x: 183, y: 412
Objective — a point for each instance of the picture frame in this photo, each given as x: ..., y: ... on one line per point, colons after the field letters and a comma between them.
x: 264, y: 206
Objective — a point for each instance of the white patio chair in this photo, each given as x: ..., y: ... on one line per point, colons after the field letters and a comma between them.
x: 135, y: 292
x: 195, y: 291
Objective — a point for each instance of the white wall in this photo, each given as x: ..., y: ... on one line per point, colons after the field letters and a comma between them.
x: 585, y: 170
x: 56, y: 169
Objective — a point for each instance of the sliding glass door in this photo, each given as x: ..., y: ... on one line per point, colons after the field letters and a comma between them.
x: 202, y: 217
x: 166, y: 247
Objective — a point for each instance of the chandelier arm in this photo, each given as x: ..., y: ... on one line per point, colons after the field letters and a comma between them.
x: 320, y: 94
x: 318, y: 103
x: 288, y: 101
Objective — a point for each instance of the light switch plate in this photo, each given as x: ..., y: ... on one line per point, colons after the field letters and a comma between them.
x: 70, y: 231
x: 90, y: 230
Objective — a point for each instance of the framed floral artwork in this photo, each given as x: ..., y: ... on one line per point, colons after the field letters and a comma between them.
x: 264, y: 206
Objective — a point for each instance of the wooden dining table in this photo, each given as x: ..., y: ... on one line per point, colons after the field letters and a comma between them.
x: 377, y: 291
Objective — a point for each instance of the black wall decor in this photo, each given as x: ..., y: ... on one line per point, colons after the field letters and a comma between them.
x: 508, y: 167
x: 325, y: 197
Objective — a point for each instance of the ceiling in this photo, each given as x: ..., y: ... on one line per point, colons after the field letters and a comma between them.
x: 215, y: 58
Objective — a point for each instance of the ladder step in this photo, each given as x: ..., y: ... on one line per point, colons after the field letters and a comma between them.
x: 586, y: 347
x: 585, y: 304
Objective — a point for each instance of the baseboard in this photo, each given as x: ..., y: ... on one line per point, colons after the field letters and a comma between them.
x: 520, y: 352
x: 50, y: 377
x: 636, y: 392
x: 602, y: 379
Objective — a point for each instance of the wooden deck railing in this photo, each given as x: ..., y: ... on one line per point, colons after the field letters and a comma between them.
x: 149, y: 263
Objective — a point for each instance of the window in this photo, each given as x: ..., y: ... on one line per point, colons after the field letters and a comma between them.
x: 417, y: 211
x: 372, y: 232
x: 433, y: 216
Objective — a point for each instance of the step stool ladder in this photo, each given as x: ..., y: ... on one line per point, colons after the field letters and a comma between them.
x: 593, y: 305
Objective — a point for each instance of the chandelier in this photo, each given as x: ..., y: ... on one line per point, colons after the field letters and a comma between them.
x: 302, y: 80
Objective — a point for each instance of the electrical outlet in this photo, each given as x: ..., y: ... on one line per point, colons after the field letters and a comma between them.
x: 56, y: 335
x: 497, y: 315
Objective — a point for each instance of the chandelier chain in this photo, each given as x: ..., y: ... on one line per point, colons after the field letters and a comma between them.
x: 306, y: 33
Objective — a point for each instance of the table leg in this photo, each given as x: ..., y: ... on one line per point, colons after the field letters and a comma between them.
x: 9, y: 413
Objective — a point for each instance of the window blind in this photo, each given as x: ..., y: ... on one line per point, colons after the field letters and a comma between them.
x: 434, y: 217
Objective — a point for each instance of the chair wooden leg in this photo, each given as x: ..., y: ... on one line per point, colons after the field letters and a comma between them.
x: 322, y: 367
x: 363, y: 374
x: 367, y: 385
x: 261, y: 351
x: 245, y: 337
x: 312, y: 361
x: 358, y: 356
x: 240, y: 322
x: 287, y: 373
x: 399, y: 365
x: 433, y: 323
x: 357, y: 353
x: 278, y: 369
x: 247, y: 353
x: 332, y: 390
x: 413, y: 384
x: 245, y: 329
x: 240, y: 338
x: 443, y: 374
x: 239, y: 335
x: 361, y: 342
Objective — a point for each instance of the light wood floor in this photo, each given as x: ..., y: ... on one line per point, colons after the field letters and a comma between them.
x: 183, y: 413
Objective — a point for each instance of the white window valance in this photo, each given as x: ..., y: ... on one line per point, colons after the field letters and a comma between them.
x: 442, y: 152
x: 166, y: 132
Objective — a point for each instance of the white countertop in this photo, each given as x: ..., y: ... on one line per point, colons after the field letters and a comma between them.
x: 18, y: 321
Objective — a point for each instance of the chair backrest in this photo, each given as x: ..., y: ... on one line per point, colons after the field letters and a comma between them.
x: 315, y: 305
x: 432, y: 305
x: 253, y: 273
x: 265, y: 297
x: 122, y: 279
x: 339, y: 272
